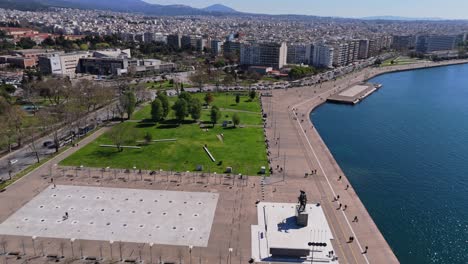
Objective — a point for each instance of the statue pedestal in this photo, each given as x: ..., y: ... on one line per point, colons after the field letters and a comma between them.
x: 302, y: 218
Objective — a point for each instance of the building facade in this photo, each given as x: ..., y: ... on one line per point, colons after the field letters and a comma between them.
x: 264, y: 54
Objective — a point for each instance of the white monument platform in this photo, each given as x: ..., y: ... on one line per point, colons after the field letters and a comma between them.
x: 277, y: 230
x: 117, y: 214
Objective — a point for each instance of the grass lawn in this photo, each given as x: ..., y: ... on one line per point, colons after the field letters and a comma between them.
x: 401, y: 61
x: 225, y: 101
x: 163, y: 85
x: 243, y: 149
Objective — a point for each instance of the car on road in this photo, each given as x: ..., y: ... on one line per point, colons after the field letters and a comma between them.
x: 47, y: 144
x: 12, y: 161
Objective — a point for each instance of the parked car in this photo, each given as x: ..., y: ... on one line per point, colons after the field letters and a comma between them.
x: 47, y: 143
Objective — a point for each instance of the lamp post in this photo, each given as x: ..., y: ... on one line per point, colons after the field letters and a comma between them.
x: 71, y: 243
x: 110, y: 245
x: 151, y: 252
x: 190, y: 252
x: 34, y: 244
x: 230, y: 253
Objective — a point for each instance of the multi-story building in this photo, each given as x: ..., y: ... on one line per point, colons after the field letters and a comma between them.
x: 61, y: 64
x: 216, y: 47
x: 322, y: 55
x: 353, y: 51
x: 403, y: 43
x: 340, y: 54
x: 430, y: 43
x: 104, y: 66
x: 298, y: 54
x: 175, y: 41
x: 232, y: 48
x: 363, y: 49
x: 266, y: 54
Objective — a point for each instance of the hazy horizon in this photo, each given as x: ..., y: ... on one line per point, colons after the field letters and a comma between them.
x: 449, y: 9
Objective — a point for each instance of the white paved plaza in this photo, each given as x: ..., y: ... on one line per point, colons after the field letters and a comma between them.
x: 117, y: 214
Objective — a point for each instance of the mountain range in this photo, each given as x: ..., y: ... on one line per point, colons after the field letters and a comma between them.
x: 142, y: 7
x: 130, y: 6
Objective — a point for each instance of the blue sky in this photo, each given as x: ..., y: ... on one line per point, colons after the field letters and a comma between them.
x: 454, y: 9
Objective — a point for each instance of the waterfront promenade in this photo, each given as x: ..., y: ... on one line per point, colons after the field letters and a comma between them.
x: 297, y: 146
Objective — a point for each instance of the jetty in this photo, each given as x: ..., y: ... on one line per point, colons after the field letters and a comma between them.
x: 354, y: 94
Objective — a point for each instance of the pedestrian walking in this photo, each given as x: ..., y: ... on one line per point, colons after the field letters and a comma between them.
x: 355, y: 219
x: 347, y: 187
x: 339, y: 178
x: 345, y: 207
x: 365, y: 250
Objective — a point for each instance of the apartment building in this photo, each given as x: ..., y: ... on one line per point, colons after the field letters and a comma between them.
x: 264, y: 54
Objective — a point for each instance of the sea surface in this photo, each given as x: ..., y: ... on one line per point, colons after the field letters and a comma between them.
x: 405, y: 151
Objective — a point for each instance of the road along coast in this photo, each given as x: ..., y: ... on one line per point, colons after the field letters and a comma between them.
x: 296, y: 147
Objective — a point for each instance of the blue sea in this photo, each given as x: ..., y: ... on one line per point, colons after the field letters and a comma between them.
x: 405, y: 151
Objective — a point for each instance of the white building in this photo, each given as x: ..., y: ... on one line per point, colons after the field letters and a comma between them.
x: 61, y: 64
x: 322, y: 55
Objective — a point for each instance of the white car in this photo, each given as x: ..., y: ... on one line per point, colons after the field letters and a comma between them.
x: 13, y: 161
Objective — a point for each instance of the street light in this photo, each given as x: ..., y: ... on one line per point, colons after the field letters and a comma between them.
x: 71, y: 242
x: 230, y: 252
x: 34, y: 245
x: 151, y: 252
x: 190, y: 252
x: 110, y: 245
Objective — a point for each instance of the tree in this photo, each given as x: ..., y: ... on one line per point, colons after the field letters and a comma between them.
x: 235, y: 119
x: 298, y: 72
x: 121, y: 135
x: 162, y: 96
x: 252, y: 94
x: 181, y: 109
x: 26, y: 43
x: 195, y: 109
x: 209, y: 99
x: 148, y: 137
x: 199, y: 78
x: 219, y: 63
x: 128, y: 103
x: 186, y: 96
x: 237, y: 99
x: 157, y: 110
x: 215, y: 115
x: 84, y: 46
x: 228, y: 80
x: 14, y: 118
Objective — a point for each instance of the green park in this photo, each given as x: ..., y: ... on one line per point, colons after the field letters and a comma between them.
x: 227, y: 126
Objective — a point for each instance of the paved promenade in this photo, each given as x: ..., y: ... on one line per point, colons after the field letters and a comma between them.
x: 296, y: 146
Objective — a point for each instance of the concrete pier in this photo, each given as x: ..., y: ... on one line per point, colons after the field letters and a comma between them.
x: 355, y: 94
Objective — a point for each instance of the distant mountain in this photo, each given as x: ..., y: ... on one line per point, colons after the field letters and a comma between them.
x: 399, y: 18
x: 220, y: 8
x: 130, y: 6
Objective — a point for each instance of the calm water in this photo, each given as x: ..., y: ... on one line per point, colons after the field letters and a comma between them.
x: 405, y: 151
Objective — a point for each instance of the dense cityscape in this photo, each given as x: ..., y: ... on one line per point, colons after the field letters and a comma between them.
x: 188, y: 136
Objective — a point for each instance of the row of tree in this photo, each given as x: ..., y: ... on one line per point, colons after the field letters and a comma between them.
x: 63, y: 105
